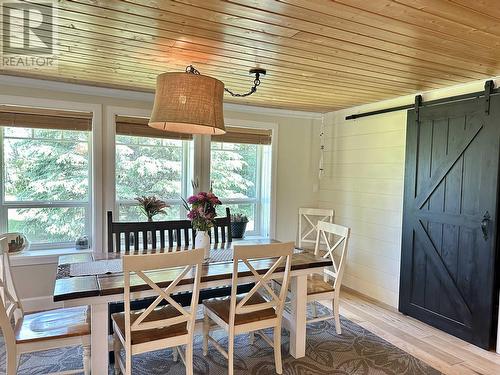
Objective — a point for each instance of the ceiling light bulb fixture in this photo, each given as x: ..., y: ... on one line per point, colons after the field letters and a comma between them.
x: 192, y: 103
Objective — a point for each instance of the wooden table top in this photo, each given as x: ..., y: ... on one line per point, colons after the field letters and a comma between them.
x: 68, y: 288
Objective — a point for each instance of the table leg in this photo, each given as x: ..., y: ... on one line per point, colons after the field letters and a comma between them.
x: 299, y: 316
x: 99, y: 338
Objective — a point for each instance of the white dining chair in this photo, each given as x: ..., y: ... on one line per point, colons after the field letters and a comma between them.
x: 252, y: 312
x: 308, y: 220
x: 32, y: 332
x: 326, y: 286
x: 155, y: 328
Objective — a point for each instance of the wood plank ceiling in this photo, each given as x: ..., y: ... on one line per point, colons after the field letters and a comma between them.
x: 320, y: 55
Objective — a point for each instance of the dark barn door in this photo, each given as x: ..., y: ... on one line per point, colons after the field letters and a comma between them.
x: 449, y: 218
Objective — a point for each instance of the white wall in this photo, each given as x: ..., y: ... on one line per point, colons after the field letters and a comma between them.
x: 297, y: 161
x: 363, y: 182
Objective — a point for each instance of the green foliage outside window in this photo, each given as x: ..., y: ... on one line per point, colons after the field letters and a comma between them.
x: 41, y: 166
x: 234, y: 176
x: 148, y: 166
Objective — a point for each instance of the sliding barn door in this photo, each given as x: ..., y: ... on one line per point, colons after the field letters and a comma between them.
x: 449, y: 219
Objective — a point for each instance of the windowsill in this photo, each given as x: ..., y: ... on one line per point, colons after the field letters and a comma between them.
x: 36, y: 257
x: 51, y: 256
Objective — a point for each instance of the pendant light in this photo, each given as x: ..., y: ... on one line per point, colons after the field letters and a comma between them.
x: 191, y: 102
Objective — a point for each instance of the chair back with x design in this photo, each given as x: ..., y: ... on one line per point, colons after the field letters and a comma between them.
x: 334, y: 237
x: 184, y: 264
x: 308, y: 220
x: 244, y: 256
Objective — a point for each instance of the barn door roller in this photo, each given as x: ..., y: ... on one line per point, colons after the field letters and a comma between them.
x: 418, y: 104
x: 488, y: 90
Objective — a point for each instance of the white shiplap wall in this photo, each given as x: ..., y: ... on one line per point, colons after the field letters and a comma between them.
x: 363, y: 182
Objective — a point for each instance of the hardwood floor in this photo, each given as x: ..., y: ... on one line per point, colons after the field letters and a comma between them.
x: 440, y: 350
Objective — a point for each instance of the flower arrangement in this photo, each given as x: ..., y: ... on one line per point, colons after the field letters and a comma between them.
x: 202, y: 211
x: 151, y: 206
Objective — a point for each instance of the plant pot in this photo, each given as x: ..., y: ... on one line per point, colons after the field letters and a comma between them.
x: 238, y: 229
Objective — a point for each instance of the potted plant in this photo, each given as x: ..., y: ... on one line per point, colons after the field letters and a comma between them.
x: 151, y: 206
x: 202, y: 215
x: 238, y: 225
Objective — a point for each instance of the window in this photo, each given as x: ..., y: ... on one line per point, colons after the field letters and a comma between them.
x: 46, y: 174
x: 240, y: 175
x: 150, y: 162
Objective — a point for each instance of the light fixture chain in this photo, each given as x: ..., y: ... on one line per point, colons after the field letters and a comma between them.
x: 192, y: 70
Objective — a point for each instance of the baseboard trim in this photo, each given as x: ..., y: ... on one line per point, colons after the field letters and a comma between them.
x: 368, y: 298
x: 40, y: 303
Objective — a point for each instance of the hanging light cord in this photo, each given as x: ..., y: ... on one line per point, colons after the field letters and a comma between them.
x: 191, y: 69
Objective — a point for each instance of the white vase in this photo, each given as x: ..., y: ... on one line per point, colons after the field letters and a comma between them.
x: 202, y: 241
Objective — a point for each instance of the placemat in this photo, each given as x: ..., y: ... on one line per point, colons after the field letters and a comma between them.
x: 220, y: 255
x: 226, y: 255
x: 99, y: 267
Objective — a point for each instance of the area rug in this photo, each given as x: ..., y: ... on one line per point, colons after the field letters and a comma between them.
x: 355, y: 352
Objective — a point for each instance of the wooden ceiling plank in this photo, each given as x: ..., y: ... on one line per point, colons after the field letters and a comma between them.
x: 399, y: 11
x: 337, y: 73
x: 335, y: 17
x: 410, y: 76
x: 273, y: 89
x: 74, y: 75
x: 291, y: 76
x: 384, y: 56
x: 294, y: 70
x: 457, y: 34
x: 488, y: 8
x: 301, y: 63
x: 479, y: 23
x: 412, y: 26
x: 72, y: 79
x: 305, y: 83
x: 426, y: 51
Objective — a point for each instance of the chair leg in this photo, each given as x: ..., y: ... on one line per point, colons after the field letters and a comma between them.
x: 189, y: 358
x: 277, y: 350
x: 251, y: 337
x: 86, y: 360
x: 116, y: 349
x: 230, y: 354
x: 12, y: 361
x: 206, y: 331
x: 175, y: 353
x: 336, y: 314
x: 128, y: 362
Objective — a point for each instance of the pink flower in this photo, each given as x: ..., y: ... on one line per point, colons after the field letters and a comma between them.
x: 192, y: 199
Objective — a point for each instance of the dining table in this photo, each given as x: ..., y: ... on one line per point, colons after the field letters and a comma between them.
x: 95, y: 279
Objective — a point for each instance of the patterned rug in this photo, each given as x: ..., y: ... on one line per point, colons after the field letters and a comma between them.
x: 355, y: 352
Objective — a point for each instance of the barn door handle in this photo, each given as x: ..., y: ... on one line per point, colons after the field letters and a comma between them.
x: 484, y: 225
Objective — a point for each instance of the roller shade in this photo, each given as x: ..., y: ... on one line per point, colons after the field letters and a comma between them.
x: 245, y: 135
x: 39, y: 118
x: 138, y: 127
